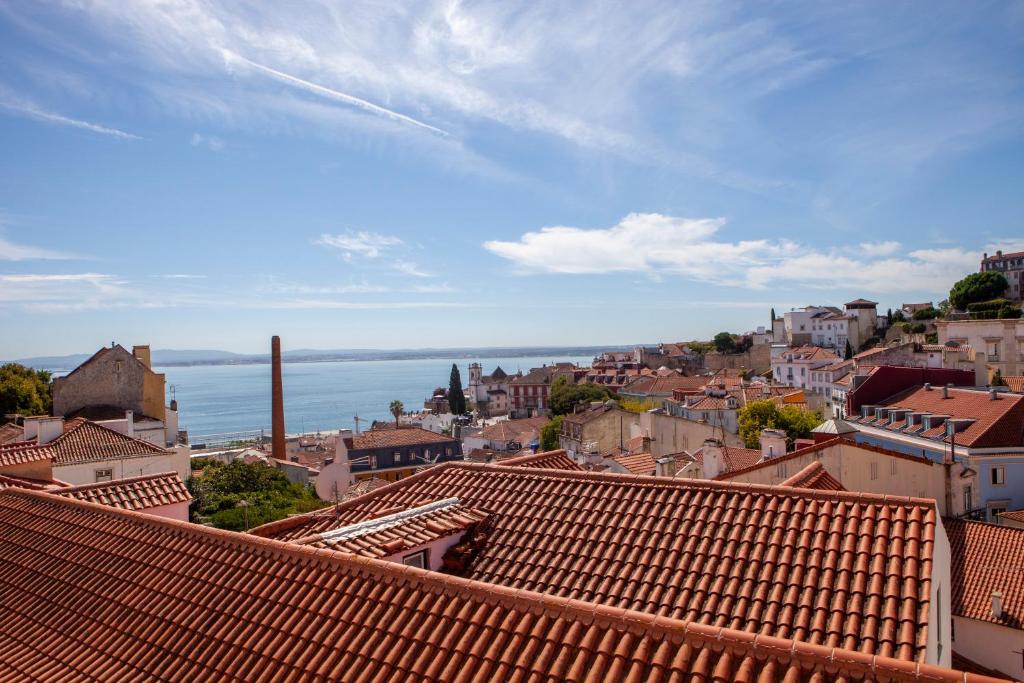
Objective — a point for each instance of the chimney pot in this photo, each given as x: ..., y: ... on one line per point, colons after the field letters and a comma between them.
x: 927, y: 386
x: 945, y: 392
x: 997, y: 604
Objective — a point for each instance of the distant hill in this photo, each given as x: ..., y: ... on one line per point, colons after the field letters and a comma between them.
x: 175, y: 357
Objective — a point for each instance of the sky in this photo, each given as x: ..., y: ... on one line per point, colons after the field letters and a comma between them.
x: 435, y: 174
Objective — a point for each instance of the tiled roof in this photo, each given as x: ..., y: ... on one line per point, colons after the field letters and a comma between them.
x: 590, y: 413
x: 83, y: 441
x: 986, y: 558
x: 1014, y: 383
x: 403, y: 530
x: 814, y: 476
x: 664, y: 385
x: 11, y: 432
x: 1001, y: 257
x: 997, y: 422
x: 861, y: 302
x: 548, y: 460
x: 513, y: 430
x: 1013, y: 515
x: 637, y: 463
x: 134, y: 493
x: 735, y: 458
x: 97, y: 593
x: 391, y: 438
x: 22, y: 452
x: 802, y: 353
x: 7, y: 481
x: 961, y: 663
x: 830, y: 568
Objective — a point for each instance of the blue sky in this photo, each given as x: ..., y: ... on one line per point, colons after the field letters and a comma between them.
x: 351, y: 175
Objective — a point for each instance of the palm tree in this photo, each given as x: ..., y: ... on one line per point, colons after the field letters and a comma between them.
x: 397, y: 409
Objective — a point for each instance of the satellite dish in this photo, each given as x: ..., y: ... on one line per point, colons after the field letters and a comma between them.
x: 334, y: 480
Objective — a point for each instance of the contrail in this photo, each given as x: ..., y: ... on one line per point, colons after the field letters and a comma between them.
x: 50, y: 117
x: 332, y: 94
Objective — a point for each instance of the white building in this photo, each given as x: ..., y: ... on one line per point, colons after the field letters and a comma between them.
x: 490, y: 392
x: 793, y: 367
x: 1002, y: 341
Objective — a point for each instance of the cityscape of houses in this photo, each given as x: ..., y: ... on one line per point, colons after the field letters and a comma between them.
x: 839, y: 496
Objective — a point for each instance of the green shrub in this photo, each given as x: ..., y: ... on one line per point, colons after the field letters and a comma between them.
x: 990, y: 305
x: 918, y: 328
x: 929, y: 313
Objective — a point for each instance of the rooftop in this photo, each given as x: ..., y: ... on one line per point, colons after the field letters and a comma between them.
x: 133, y: 493
x: 549, y: 460
x: 986, y: 558
x: 814, y: 476
x: 735, y: 555
x: 189, y: 602
x: 637, y: 463
x: 390, y: 438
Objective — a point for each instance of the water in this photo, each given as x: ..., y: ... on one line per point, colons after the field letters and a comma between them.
x: 216, y: 399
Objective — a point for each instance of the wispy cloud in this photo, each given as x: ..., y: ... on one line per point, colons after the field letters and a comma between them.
x: 410, y: 268
x: 31, y: 111
x: 181, y: 276
x: 10, y: 251
x: 660, y: 244
x: 361, y: 243
x: 211, y: 142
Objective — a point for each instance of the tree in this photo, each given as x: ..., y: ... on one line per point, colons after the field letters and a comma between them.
x: 724, y: 342
x: 24, y: 390
x: 944, y: 308
x: 773, y: 314
x: 977, y: 287
x: 396, y: 409
x: 456, y: 398
x: 550, y: 432
x: 564, y: 396
x: 848, y: 354
x: 997, y: 379
x: 759, y: 415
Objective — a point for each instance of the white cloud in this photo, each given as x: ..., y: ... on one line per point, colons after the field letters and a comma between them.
x: 39, y: 291
x: 211, y: 142
x: 29, y: 110
x: 433, y: 289
x: 181, y: 276
x: 410, y: 268
x: 879, y: 248
x: 361, y: 243
x: 658, y: 244
x: 9, y: 251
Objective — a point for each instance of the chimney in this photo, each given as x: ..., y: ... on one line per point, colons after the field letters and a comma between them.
x: 277, y: 400
x: 129, y: 420
x: 47, y: 429
x: 665, y: 467
x: 993, y: 394
x: 997, y: 604
x: 713, y: 459
x: 143, y: 355
x: 945, y: 392
x: 773, y: 443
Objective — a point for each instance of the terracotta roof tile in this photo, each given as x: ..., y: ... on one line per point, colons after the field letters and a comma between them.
x: 986, y: 558
x: 814, y: 476
x: 821, y: 567
x: 637, y: 463
x: 133, y: 493
x: 7, y: 481
x: 89, y: 592
x: 22, y: 452
x: 513, y: 430
x: 549, y: 460
x: 735, y: 458
x: 390, y: 438
x: 11, y: 432
x: 84, y: 441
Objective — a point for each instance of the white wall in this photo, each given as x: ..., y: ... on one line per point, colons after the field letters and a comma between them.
x: 991, y: 645
x: 939, y: 616
x: 176, y: 460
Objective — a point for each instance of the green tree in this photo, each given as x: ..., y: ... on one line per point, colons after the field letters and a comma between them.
x: 24, y: 390
x: 997, y: 379
x: 759, y: 415
x: 848, y: 353
x: 944, y: 308
x: 549, y: 433
x: 896, y: 317
x: 724, y: 342
x: 396, y: 408
x: 564, y: 396
x: 456, y: 397
x: 773, y: 314
x: 266, y: 492
x: 977, y: 287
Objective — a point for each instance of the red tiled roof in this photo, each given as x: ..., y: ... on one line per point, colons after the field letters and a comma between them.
x: 133, y: 493
x: 391, y: 438
x: 997, y: 422
x: 986, y: 558
x: 1013, y: 515
x: 101, y: 593
x: 961, y: 663
x: 1014, y: 383
x: 548, y: 460
x: 390, y: 534
x: 1001, y: 257
x: 84, y: 441
x: 664, y: 385
x: 22, y: 452
x: 814, y: 476
x: 11, y: 432
x: 512, y: 430
x: 830, y: 568
x: 735, y: 458
x: 7, y: 481
x: 637, y: 463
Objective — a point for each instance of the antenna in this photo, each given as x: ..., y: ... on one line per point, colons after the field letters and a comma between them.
x: 358, y: 420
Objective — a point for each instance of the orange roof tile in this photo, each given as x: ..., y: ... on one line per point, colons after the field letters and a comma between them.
x: 22, y: 452
x: 133, y: 493
x: 986, y: 558
x: 11, y: 432
x: 548, y: 460
x: 637, y: 463
x: 821, y: 567
x: 85, y: 441
x: 814, y: 476
x: 735, y: 458
x: 390, y: 438
x: 91, y: 592
x: 513, y: 430
x: 7, y: 481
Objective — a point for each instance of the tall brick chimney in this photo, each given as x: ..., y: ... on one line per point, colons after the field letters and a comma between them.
x: 277, y: 400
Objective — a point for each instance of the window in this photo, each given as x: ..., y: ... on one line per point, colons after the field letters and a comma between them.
x: 874, y: 470
x: 892, y: 466
x: 998, y: 475
x: 992, y: 350
x: 106, y: 474
x: 416, y: 560
x: 968, y: 499
x: 447, y: 451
